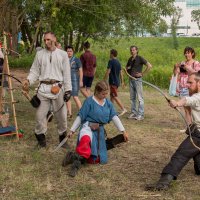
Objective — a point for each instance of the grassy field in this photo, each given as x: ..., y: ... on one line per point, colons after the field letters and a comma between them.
x: 158, y: 51
x: 29, y: 173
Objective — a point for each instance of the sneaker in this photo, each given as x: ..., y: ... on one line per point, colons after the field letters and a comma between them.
x: 123, y: 112
x: 132, y: 116
x: 183, y: 131
x: 139, y: 118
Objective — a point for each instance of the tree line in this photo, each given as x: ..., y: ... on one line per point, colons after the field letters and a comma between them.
x: 75, y: 21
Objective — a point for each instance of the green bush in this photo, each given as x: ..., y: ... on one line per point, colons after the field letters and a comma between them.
x: 159, y: 76
x: 24, y: 61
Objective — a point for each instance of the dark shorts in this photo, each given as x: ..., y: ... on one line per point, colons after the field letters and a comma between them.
x: 87, y: 81
x: 113, y: 91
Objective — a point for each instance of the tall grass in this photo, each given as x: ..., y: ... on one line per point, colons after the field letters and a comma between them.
x: 158, y: 51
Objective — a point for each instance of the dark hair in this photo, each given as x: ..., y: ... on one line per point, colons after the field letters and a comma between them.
x: 49, y: 32
x: 86, y: 45
x: 69, y: 47
x: 133, y: 46
x: 113, y: 52
x: 191, y: 50
x: 101, y: 86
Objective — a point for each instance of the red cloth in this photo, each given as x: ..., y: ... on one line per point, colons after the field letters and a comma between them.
x: 92, y: 161
x: 83, y: 148
x: 113, y: 91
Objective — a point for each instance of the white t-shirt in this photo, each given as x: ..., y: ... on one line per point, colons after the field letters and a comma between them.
x: 194, y: 103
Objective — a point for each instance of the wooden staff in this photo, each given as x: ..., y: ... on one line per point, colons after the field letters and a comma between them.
x: 7, y: 70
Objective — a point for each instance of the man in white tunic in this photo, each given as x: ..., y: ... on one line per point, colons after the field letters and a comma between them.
x: 51, y: 67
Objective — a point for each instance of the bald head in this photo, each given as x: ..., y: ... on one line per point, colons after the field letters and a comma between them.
x: 50, y: 41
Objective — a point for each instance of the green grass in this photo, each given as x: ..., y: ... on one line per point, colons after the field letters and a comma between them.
x: 158, y: 51
x: 29, y: 173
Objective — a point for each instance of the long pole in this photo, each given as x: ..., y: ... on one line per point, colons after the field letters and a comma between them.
x: 7, y: 70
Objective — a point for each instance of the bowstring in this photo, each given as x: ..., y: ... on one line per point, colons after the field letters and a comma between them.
x: 168, y: 100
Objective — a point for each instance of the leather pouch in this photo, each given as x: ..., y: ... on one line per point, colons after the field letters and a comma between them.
x: 55, y: 89
x: 94, y: 126
x: 35, y: 101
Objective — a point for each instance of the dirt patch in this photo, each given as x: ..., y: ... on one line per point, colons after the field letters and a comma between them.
x: 19, y: 73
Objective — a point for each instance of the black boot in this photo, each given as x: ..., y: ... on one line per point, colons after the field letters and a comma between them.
x: 68, y: 159
x: 112, y: 142
x: 41, y: 140
x: 162, y: 184
x: 74, y: 168
x: 77, y: 161
x: 61, y: 137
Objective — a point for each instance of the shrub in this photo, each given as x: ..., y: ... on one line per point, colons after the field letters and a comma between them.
x: 24, y: 61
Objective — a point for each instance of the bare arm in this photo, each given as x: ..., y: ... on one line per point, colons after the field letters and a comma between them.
x: 122, y: 78
x: 81, y: 77
x: 178, y: 103
x: 106, y: 74
x: 176, y: 69
x: 148, y: 67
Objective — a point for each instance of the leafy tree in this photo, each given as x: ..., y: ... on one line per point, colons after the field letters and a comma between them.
x: 75, y: 21
x: 175, y: 20
x: 196, y: 17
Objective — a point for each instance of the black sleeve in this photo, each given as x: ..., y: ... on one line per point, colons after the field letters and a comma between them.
x: 128, y: 63
x: 143, y: 61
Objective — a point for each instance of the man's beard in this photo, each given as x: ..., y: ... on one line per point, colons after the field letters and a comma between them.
x: 193, y: 91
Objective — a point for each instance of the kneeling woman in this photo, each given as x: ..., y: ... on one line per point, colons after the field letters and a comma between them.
x: 91, y: 146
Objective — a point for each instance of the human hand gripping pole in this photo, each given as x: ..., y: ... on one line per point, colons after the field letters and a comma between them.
x: 25, y: 85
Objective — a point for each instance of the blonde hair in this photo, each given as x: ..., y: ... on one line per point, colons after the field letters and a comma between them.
x: 101, y: 86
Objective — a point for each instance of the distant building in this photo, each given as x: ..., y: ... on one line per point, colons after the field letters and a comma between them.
x: 186, y: 25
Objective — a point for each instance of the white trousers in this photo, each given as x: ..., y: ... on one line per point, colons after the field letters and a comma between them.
x: 60, y: 116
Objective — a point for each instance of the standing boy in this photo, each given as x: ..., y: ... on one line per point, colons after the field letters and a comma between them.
x: 115, y: 74
x: 88, y: 61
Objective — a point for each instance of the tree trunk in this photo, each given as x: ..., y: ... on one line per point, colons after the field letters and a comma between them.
x: 78, y: 40
x: 66, y: 38
x: 71, y: 38
x: 35, y: 37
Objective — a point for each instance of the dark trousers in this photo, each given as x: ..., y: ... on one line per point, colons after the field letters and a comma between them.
x: 183, y: 154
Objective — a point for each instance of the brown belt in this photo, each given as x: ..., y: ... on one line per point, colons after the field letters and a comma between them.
x: 50, y: 82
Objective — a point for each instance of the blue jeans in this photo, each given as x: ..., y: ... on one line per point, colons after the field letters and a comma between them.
x: 136, y: 91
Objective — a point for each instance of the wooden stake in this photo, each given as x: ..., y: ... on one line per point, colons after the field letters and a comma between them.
x: 6, y: 69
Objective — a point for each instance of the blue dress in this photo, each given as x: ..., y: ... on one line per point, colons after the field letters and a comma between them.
x: 75, y: 64
x: 91, y: 111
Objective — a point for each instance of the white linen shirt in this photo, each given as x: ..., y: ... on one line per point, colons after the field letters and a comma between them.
x: 194, y: 103
x: 49, y: 65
